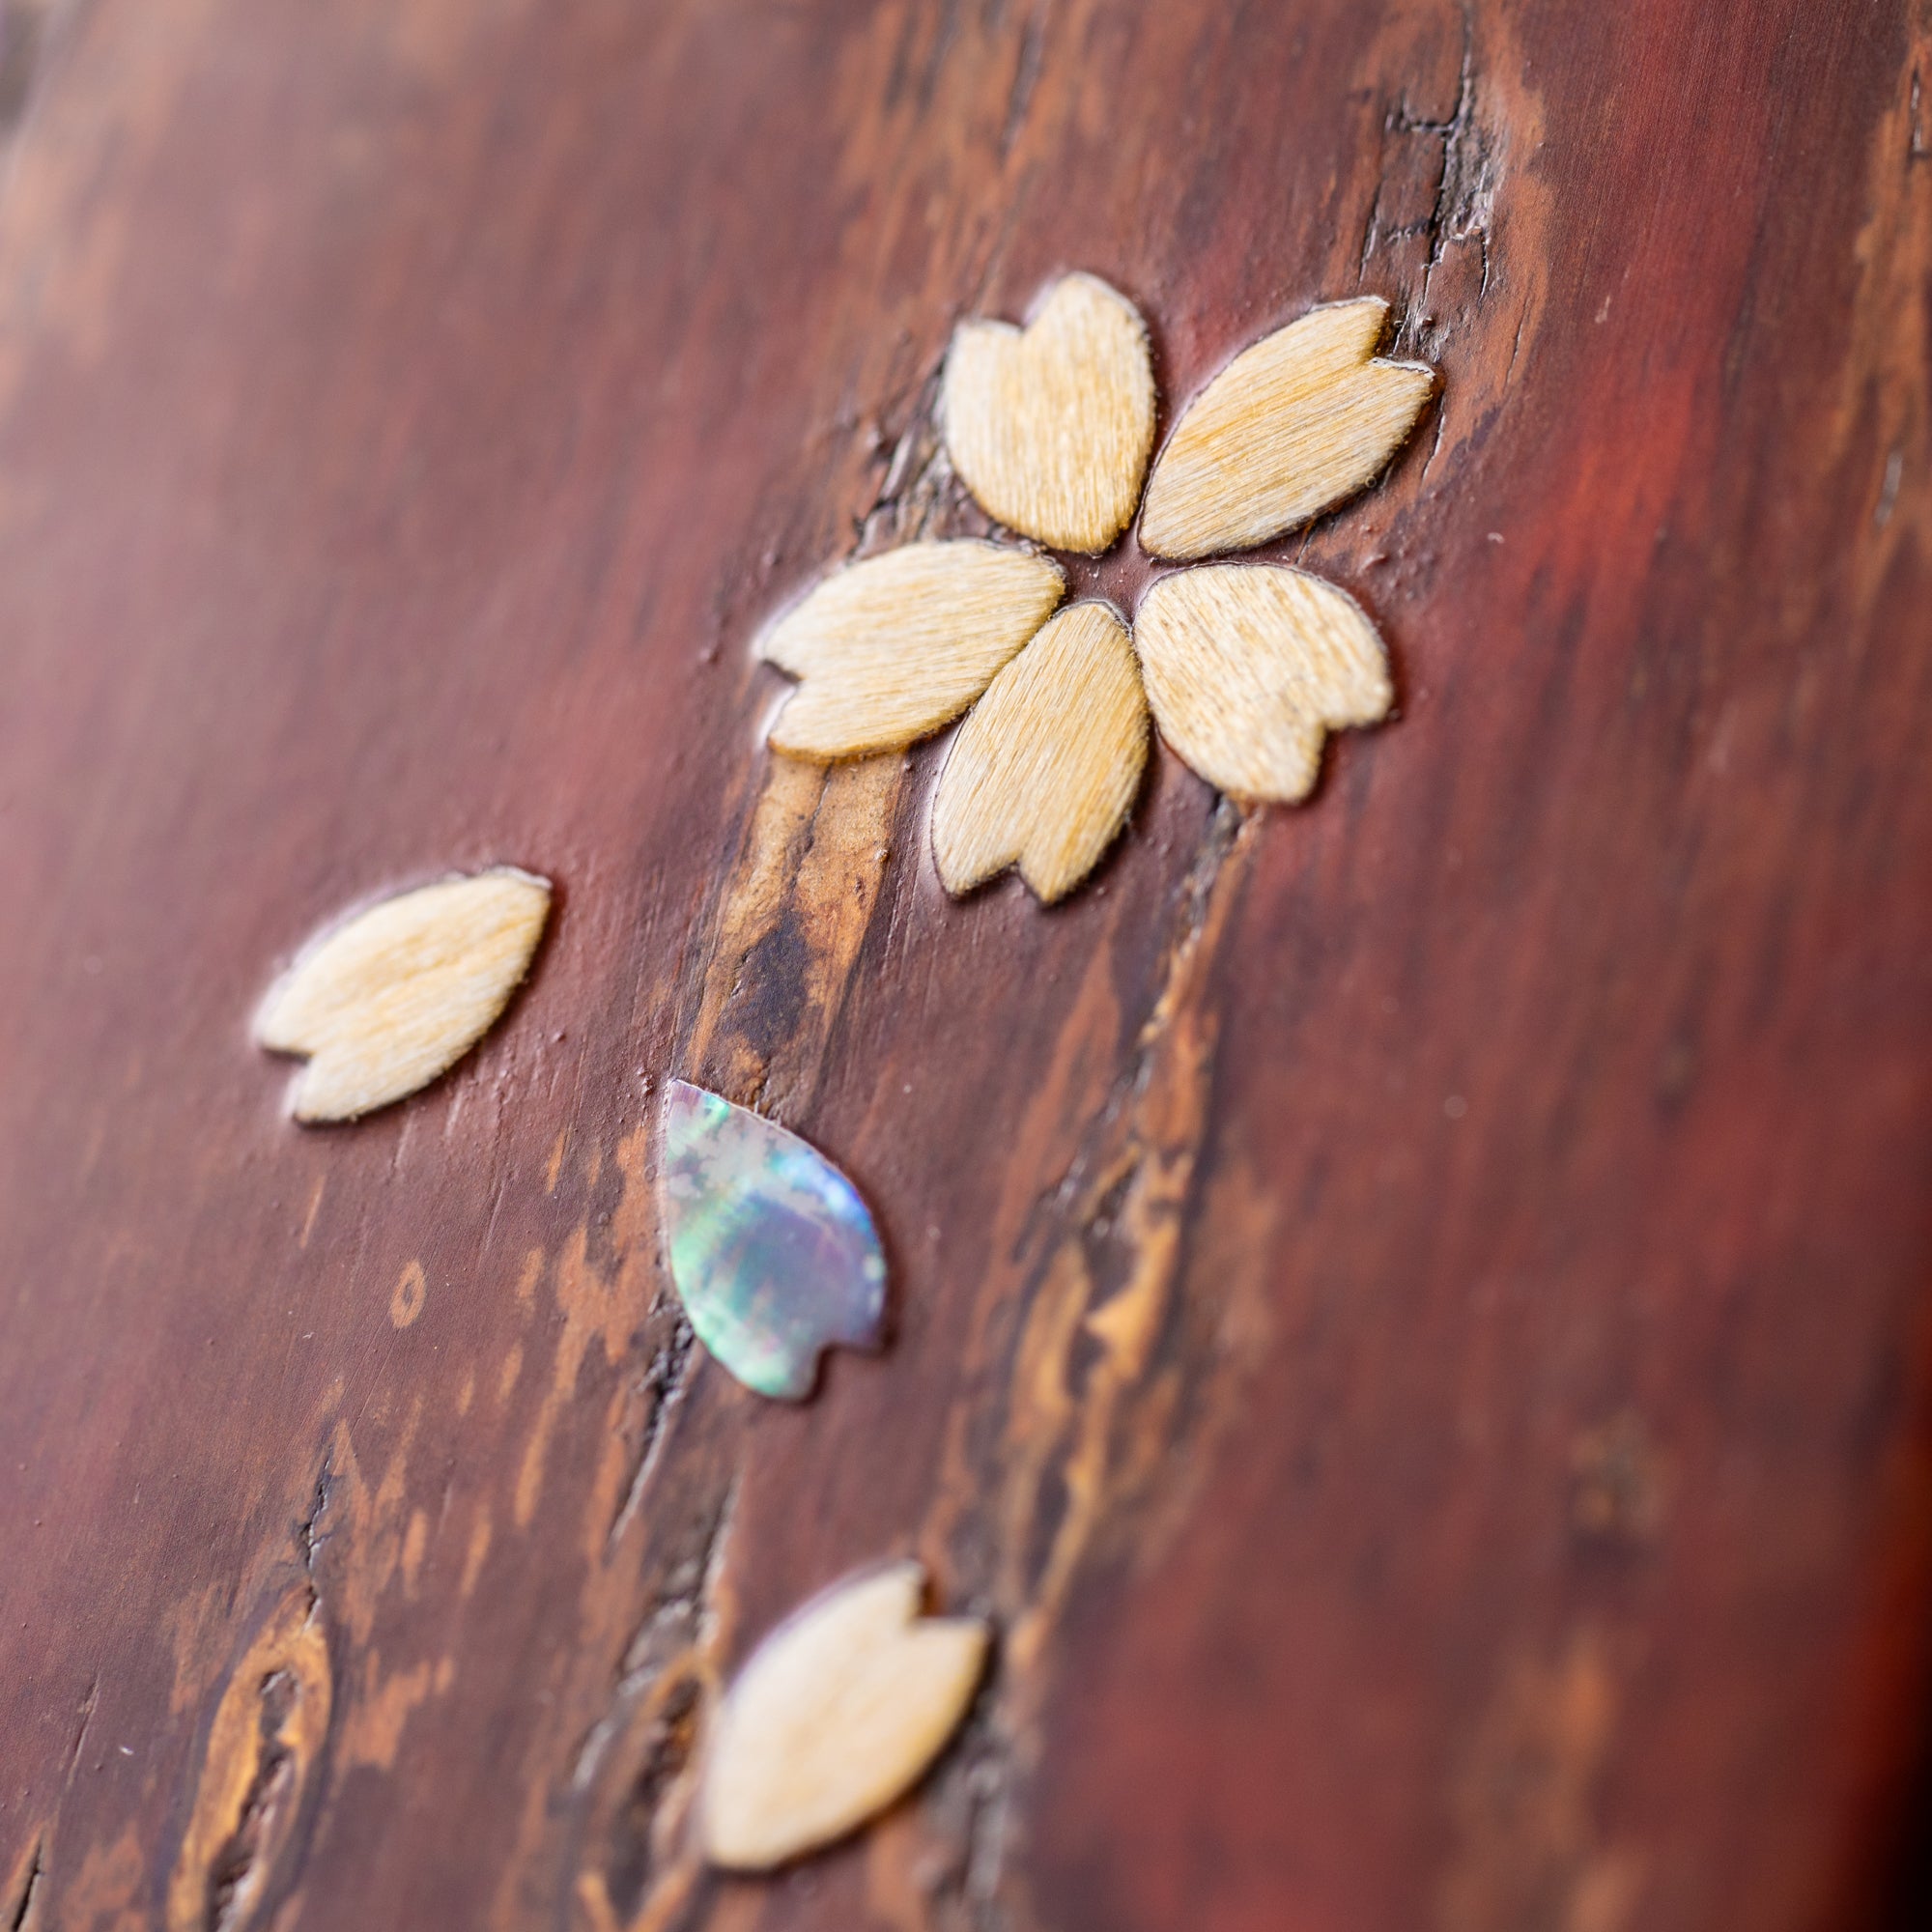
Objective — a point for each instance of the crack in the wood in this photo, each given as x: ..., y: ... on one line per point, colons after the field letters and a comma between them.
x: 1193, y: 903
x: 683, y: 1604
x: 668, y: 1748
x: 234, y: 1877
x: 664, y: 1379
x: 972, y: 1878
x: 1461, y: 208
x: 917, y: 484
x: 689, y: 1590
x: 307, y: 1539
x: 21, y: 1918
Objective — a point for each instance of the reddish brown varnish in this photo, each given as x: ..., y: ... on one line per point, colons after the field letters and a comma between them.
x: 1409, y: 1312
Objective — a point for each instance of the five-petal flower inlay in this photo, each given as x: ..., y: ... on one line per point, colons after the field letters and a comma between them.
x: 1245, y: 667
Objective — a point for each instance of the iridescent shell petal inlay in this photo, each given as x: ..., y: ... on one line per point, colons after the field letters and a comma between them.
x: 774, y: 1254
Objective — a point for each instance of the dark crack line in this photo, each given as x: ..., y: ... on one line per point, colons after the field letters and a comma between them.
x: 667, y: 1376
x: 19, y: 1919
x: 307, y: 1541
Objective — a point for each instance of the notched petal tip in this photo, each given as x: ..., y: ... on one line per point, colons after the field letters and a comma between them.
x: 1044, y: 770
x: 1249, y: 667
x: 838, y: 1711
x: 1049, y: 426
x: 893, y: 648
x: 1293, y: 426
x: 397, y: 994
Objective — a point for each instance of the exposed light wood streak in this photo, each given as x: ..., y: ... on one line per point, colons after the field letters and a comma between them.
x: 1250, y: 666
x: 1044, y: 770
x: 838, y: 1711
x: 889, y: 650
x: 801, y: 890
x: 1049, y: 426
x: 1304, y: 418
x: 399, y: 994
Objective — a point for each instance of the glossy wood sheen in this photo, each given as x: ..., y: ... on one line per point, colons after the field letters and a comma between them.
x: 1408, y: 1313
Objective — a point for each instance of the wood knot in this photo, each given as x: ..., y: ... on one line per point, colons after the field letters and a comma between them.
x: 258, y: 1775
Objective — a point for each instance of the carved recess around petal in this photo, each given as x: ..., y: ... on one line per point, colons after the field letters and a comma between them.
x: 890, y: 650
x: 401, y: 992
x: 1049, y: 426
x: 1305, y: 417
x: 839, y: 1711
x: 1248, y: 667
x: 1044, y: 773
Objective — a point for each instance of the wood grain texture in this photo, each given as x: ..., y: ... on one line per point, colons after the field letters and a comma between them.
x: 1410, y: 1314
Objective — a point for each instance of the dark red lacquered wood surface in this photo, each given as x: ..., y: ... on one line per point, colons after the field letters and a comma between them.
x: 1410, y: 1314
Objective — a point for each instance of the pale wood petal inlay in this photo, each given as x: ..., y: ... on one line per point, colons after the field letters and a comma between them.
x: 397, y: 995
x: 1049, y: 426
x: 1304, y: 418
x: 889, y: 650
x: 1044, y: 770
x: 838, y: 1711
x: 1248, y: 667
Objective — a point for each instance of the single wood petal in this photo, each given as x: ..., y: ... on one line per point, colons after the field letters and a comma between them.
x: 838, y: 1711
x: 771, y: 1251
x: 1044, y: 770
x: 383, y: 1004
x: 1049, y: 426
x: 1248, y: 666
x: 1292, y: 426
x: 891, y: 650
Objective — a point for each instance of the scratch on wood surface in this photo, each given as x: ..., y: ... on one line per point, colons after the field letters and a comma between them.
x: 314, y: 1208
x: 88, y: 1706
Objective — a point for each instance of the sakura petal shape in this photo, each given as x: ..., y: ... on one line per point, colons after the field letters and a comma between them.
x: 771, y: 1251
x: 1044, y: 770
x: 401, y: 992
x: 889, y: 650
x: 1306, y: 417
x: 1249, y: 667
x: 1049, y: 426
x: 839, y: 1711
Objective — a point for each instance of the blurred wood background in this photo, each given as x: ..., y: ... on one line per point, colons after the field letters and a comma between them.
x: 1410, y: 1314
